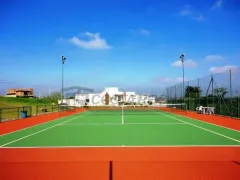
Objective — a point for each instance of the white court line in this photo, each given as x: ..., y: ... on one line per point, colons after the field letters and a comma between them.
x: 199, y: 127
x: 99, y: 124
x: 208, y: 122
x: 89, y: 124
x: 125, y: 146
x: 81, y: 113
x: 41, y: 131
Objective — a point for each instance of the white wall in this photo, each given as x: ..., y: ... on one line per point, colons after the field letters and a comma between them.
x: 99, y: 99
x: 152, y: 99
x: 80, y: 99
x: 96, y: 99
x: 70, y: 102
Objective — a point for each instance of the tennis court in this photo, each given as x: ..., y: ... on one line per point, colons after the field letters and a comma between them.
x: 122, y: 127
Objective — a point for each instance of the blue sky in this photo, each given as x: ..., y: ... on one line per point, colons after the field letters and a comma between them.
x: 129, y: 44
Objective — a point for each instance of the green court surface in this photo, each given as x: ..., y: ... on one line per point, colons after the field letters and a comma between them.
x: 117, y: 128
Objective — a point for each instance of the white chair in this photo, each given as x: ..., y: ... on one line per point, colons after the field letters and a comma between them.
x: 210, y: 110
x: 199, y: 109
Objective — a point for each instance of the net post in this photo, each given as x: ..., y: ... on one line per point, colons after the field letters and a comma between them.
x: 110, y: 170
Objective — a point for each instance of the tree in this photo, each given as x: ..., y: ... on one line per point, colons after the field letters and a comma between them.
x: 192, y: 92
x: 150, y: 102
x: 220, y: 91
x: 54, y: 96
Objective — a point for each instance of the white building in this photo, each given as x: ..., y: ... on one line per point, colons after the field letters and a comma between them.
x: 114, y: 98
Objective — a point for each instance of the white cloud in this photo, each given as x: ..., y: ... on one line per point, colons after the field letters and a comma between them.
x: 189, y: 63
x: 144, y: 32
x: 185, y: 12
x: 199, y: 18
x: 218, y: 4
x: 188, y: 11
x: 141, y: 31
x: 214, y: 58
x: 177, y: 63
x: 95, y: 42
x: 234, y: 69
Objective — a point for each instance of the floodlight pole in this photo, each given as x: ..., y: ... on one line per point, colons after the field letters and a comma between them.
x: 182, y: 59
x: 63, y: 61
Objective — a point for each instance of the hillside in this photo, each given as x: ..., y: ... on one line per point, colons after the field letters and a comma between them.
x: 7, y: 102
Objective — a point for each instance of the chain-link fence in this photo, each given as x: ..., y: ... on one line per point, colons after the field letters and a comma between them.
x: 221, y: 91
x: 13, y: 113
x: 43, y: 109
x: 7, y: 114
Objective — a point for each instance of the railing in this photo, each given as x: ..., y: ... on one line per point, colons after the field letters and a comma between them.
x: 43, y: 109
x: 7, y: 114
x: 13, y: 113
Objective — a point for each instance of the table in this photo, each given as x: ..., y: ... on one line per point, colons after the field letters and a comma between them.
x: 206, y: 109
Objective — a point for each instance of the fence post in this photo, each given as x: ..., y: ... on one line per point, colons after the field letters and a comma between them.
x: 188, y: 108
x: 181, y: 92
x: 238, y: 106
x: 231, y: 110
x: 206, y: 101
x: 36, y: 110
x: 199, y: 95
x: 213, y: 97
x: 175, y: 89
x: 18, y: 109
x: 220, y: 105
x: 45, y: 107
x: 30, y: 111
x: 0, y: 115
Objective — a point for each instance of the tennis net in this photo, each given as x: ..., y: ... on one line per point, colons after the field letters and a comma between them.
x: 135, y: 109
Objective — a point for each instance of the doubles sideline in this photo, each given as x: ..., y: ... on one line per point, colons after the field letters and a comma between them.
x: 41, y: 130
x: 43, y: 123
x: 198, y: 127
